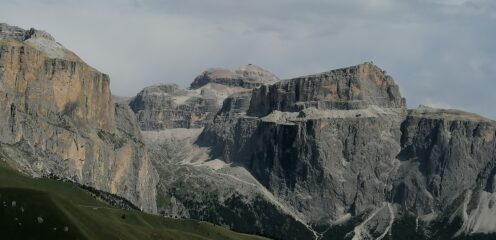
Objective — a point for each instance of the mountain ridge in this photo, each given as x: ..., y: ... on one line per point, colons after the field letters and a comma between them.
x: 325, y: 156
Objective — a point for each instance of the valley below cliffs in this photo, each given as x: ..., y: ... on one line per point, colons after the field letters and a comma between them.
x: 333, y: 155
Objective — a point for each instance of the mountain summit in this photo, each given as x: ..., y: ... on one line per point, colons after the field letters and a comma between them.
x: 248, y: 76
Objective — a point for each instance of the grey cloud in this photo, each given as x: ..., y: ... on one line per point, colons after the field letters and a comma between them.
x: 440, y: 52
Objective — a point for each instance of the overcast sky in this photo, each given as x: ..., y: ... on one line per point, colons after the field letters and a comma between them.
x: 440, y: 52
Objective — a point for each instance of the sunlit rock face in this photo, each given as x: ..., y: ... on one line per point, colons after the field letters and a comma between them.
x: 59, y: 110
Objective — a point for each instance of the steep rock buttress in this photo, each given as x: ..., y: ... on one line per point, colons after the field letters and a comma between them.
x: 58, y: 113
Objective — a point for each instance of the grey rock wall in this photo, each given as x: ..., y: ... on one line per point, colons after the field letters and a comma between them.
x: 444, y: 152
x: 321, y: 160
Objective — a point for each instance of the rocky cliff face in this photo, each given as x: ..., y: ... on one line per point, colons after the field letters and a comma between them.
x: 59, y: 111
x: 167, y: 106
x: 314, y: 156
x: 349, y: 88
x: 443, y: 153
x: 340, y: 150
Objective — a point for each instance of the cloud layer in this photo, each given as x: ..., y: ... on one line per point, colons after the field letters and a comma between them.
x: 440, y: 52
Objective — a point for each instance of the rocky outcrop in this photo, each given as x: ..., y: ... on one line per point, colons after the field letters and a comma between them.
x: 349, y: 88
x: 167, y: 106
x: 249, y: 76
x: 236, y: 104
x: 59, y: 111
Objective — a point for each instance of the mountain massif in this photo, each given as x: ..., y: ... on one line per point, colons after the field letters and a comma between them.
x: 334, y: 155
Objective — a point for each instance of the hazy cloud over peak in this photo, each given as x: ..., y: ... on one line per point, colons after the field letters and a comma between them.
x: 440, y: 52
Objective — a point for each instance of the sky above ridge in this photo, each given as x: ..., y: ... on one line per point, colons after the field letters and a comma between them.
x: 441, y: 53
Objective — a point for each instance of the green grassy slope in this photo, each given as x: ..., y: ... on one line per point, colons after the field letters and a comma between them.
x: 48, y: 209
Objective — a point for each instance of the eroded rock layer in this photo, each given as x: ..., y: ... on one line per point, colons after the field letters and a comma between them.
x: 355, y: 87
